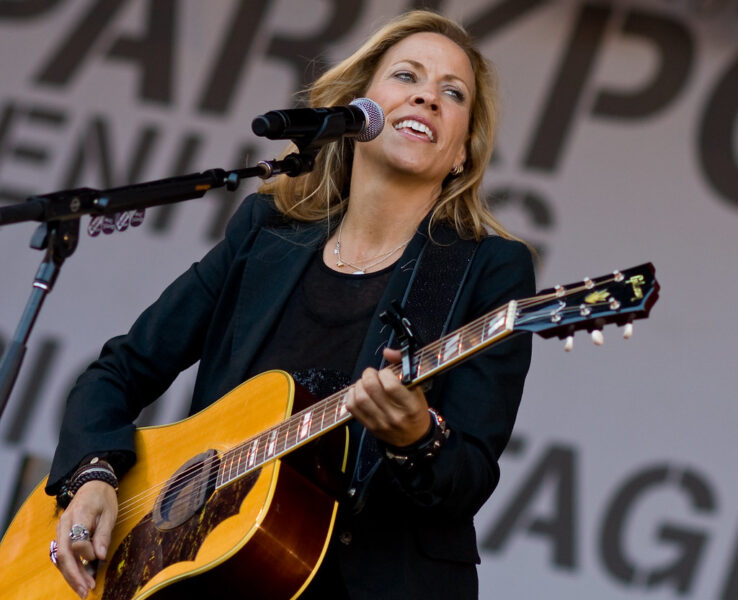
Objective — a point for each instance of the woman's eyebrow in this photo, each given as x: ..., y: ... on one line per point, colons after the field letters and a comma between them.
x: 418, y: 65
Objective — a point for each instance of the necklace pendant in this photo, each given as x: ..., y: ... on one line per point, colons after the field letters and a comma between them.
x: 339, y: 263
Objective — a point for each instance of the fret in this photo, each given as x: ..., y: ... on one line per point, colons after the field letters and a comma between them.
x: 221, y: 475
x: 495, y: 325
x: 305, y: 423
x: 251, y: 453
x: 419, y: 367
x: 322, y: 416
x: 286, y: 437
x: 240, y: 469
x: 451, y: 347
x: 271, y: 444
x: 230, y: 465
x: 339, y: 410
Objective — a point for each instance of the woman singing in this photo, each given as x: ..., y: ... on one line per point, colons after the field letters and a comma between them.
x: 298, y: 283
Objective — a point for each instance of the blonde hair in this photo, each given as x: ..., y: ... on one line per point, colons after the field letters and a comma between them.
x: 323, y: 192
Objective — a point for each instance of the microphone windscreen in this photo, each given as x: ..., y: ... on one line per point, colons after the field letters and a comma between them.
x: 374, y: 119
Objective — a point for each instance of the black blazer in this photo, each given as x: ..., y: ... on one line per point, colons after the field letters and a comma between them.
x: 414, y: 536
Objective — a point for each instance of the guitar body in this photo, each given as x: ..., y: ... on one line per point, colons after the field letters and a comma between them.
x: 260, y: 528
x: 261, y: 536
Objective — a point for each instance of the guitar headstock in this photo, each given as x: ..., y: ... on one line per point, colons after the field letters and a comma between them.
x: 619, y: 298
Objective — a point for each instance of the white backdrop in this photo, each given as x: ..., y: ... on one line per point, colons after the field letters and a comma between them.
x: 619, y: 145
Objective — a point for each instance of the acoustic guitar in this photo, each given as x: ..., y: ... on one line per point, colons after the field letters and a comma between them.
x: 216, y: 502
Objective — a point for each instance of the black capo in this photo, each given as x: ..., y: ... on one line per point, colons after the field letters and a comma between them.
x: 408, y: 340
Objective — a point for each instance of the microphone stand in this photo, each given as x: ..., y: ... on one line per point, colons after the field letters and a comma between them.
x: 60, y: 212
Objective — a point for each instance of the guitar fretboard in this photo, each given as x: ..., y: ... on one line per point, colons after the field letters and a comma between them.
x: 329, y: 413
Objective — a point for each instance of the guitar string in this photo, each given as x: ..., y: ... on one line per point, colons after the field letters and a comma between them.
x: 287, y: 427
x: 470, y: 330
x: 477, y: 326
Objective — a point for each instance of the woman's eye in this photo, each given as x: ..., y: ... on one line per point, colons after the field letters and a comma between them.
x: 405, y: 76
x: 455, y: 94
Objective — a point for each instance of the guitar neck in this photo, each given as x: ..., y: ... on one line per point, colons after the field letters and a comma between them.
x: 329, y: 413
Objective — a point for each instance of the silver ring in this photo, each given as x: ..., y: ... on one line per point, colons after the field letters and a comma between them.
x: 52, y: 551
x: 79, y: 533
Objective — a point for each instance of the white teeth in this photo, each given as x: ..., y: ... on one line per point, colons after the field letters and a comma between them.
x: 415, y: 126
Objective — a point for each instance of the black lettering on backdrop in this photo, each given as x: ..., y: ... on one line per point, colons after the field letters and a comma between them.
x: 426, y: 4
x: 680, y: 573
x: 225, y: 201
x: 33, y: 154
x: 305, y: 54
x: 95, y: 147
x: 718, y: 133
x: 226, y: 73
x: 500, y: 15
x: 730, y: 588
x: 25, y: 9
x: 183, y: 163
x: 534, y: 205
x: 675, y: 48
x: 26, y: 398
x: 556, y: 468
x: 151, y: 52
x: 555, y: 123
x: 60, y: 402
x: 66, y: 59
x: 31, y: 469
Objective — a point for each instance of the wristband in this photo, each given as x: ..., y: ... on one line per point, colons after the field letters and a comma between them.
x: 95, y: 470
x: 423, y: 450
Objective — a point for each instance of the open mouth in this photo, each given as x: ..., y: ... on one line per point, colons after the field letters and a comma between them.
x: 417, y: 127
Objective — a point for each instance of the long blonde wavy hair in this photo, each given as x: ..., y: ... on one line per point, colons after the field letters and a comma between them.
x: 322, y: 193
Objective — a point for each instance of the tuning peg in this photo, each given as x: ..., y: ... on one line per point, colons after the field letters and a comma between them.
x: 628, y: 331
x: 569, y: 344
x: 597, y: 337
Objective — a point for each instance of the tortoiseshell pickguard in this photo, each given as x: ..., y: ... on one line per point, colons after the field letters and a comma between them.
x: 146, y: 550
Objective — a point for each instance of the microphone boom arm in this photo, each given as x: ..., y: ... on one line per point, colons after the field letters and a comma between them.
x: 60, y: 212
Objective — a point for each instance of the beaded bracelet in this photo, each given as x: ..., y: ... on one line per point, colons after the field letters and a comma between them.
x: 426, y: 448
x: 95, y: 470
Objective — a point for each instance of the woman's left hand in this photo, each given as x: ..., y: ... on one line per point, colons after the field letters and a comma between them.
x: 394, y: 414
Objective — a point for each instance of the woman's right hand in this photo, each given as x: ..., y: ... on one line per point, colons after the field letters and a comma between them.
x: 94, y: 507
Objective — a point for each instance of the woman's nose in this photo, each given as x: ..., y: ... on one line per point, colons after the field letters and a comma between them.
x: 427, y: 98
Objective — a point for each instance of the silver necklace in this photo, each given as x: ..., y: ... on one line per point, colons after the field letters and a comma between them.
x: 372, y: 262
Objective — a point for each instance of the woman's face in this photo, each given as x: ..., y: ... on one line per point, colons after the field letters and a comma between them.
x: 425, y: 85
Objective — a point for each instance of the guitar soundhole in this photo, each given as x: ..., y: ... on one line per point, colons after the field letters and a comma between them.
x: 186, y: 491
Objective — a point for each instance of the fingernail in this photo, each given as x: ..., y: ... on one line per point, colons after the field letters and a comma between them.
x: 104, y: 550
x: 82, y: 593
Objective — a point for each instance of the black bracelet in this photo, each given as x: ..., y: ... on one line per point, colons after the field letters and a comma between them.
x: 95, y: 470
x: 424, y: 449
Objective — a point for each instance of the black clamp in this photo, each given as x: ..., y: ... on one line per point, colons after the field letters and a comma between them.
x: 408, y: 340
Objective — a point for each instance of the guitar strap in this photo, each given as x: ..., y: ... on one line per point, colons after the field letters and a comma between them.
x: 430, y: 298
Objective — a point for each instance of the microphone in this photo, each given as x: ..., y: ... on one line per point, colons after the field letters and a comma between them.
x: 362, y: 119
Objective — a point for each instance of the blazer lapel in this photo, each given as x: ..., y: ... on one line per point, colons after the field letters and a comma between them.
x: 274, y: 266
